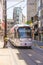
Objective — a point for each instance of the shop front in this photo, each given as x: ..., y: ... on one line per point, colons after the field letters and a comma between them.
x: 41, y: 34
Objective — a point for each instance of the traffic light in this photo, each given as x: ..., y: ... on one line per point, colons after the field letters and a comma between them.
x: 32, y: 19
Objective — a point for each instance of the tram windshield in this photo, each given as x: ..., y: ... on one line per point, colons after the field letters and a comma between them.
x: 24, y: 32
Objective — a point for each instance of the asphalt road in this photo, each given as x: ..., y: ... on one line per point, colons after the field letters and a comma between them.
x: 26, y: 56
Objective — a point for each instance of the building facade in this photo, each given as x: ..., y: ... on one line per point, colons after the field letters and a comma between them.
x: 23, y: 19
x: 31, y: 8
x: 40, y: 15
x: 10, y: 24
x: 38, y: 21
x: 40, y: 11
x: 17, y: 15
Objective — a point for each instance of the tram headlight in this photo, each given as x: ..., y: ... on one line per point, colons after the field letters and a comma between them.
x: 30, y: 39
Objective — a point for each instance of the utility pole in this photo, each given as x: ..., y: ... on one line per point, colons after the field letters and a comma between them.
x: 4, y: 19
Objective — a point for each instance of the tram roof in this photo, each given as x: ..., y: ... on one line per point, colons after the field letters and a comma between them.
x: 20, y: 25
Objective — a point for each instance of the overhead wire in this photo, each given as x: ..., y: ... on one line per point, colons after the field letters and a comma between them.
x: 14, y: 5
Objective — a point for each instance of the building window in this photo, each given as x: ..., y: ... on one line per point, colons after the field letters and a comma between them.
x: 17, y: 19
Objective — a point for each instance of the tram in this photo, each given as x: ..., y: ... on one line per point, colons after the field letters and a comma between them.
x: 22, y: 35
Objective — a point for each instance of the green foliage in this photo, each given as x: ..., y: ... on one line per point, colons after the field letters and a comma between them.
x: 29, y: 22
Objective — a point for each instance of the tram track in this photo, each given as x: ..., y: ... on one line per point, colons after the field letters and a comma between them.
x: 33, y: 56
x: 39, y: 51
x: 32, y: 51
x: 27, y: 60
x: 29, y: 57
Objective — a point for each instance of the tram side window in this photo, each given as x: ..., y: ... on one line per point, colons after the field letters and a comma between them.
x: 14, y: 33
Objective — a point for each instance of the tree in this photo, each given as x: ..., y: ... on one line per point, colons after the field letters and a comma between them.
x: 29, y: 22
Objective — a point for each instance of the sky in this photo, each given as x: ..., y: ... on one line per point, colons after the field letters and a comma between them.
x: 10, y: 10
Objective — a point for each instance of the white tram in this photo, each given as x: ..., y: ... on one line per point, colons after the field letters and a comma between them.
x: 22, y: 35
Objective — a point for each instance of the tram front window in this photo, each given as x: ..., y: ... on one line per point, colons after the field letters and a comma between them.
x: 24, y: 32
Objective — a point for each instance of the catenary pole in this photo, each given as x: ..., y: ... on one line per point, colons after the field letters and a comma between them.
x: 4, y: 19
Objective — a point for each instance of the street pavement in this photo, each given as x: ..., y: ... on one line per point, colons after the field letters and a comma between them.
x: 17, y: 56
x: 1, y: 43
x: 21, y: 56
